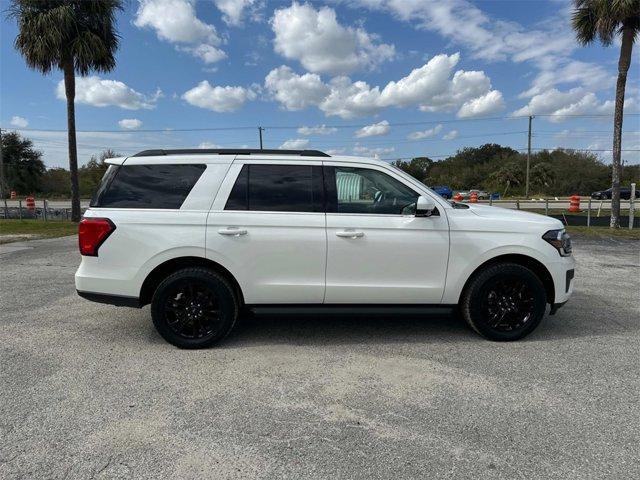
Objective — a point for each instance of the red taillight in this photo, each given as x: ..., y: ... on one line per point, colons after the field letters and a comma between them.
x: 92, y: 232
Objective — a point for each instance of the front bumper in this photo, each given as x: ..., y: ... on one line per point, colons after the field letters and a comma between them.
x: 563, y: 273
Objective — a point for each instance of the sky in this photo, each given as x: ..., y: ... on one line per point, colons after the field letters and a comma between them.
x: 383, y: 78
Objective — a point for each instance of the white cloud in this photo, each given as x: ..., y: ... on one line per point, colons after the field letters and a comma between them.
x: 233, y: 10
x: 572, y: 102
x: 295, y: 92
x: 372, y: 152
x: 316, y: 39
x: 450, y: 135
x: 97, y: 92
x: 207, y: 53
x: 380, y: 128
x: 208, y: 145
x: 430, y: 132
x: 487, y: 38
x: 19, y: 122
x: 431, y: 87
x: 317, y: 130
x: 217, y: 98
x: 130, y: 123
x: 175, y: 21
x: 334, y: 151
x: 295, y: 144
x: 489, y: 103
x: 564, y: 71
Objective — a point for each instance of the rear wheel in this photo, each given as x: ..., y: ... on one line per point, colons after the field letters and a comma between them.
x: 194, y: 308
x: 504, y: 302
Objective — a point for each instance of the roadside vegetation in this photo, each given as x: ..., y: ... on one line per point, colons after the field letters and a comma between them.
x: 15, y: 230
x: 604, y: 232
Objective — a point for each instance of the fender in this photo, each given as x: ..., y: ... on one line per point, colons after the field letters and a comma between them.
x: 458, y: 272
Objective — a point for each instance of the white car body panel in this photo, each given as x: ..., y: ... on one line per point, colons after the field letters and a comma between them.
x: 297, y: 258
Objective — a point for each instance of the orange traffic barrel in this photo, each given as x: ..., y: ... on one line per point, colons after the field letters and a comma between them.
x: 457, y: 197
x: 31, y: 203
x: 473, y: 198
x: 574, y: 203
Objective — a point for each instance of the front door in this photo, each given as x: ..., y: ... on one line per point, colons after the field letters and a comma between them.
x: 378, y: 251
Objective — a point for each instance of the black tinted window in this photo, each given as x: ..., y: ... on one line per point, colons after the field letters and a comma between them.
x: 147, y: 186
x: 278, y: 188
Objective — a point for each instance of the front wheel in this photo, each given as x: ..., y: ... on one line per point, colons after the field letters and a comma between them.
x: 504, y: 302
x: 194, y: 308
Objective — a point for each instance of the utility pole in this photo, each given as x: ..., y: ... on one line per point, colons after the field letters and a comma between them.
x: 2, y: 180
x: 526, y: 184
x: 260, y: 130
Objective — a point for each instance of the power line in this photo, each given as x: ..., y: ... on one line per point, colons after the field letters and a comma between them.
x: 295, y: 127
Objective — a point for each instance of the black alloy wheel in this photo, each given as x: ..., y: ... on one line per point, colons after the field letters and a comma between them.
x: 194, y: 308
x: 504, y: 301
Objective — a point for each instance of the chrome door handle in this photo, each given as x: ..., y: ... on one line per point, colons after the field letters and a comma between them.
x: 233, y: 231
x: 349, y: 234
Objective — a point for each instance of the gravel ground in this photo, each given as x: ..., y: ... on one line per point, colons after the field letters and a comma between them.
x: 91, y: 391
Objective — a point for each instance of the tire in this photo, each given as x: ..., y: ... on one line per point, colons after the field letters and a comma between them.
x: 194, y: 308
x: 504, y: 302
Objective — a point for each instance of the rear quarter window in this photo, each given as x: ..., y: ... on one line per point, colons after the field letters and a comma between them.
x: 147, y: 186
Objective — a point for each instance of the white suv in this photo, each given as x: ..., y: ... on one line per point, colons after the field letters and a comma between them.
x: 202, y: 234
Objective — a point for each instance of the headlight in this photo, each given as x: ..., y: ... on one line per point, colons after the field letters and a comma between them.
x: 560, y: 240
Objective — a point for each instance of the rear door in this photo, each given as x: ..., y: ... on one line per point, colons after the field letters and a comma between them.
x: 267, y: 226
x: 378, y: 251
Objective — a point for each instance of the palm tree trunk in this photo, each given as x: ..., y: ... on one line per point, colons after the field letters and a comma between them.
x: 70, y: 91
x: 623, y: 68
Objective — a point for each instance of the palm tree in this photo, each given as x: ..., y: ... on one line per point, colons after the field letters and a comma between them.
x: 76, y: 36
x: 605, y: 20
x: 509, y: 175
x: 542, y: 175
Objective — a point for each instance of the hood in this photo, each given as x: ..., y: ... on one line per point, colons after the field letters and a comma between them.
x: 508, y: 214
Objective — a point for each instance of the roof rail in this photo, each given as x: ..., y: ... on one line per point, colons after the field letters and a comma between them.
x: 230, y: 151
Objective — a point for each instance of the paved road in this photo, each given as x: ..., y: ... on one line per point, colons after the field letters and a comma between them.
x: 91, y: 391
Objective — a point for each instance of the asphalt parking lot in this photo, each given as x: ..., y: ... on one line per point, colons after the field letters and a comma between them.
x: 91, y: 391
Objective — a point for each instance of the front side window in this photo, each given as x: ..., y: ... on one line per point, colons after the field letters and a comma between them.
x: 363, y: 190
x: 147, y: 186
x: 278, y: 188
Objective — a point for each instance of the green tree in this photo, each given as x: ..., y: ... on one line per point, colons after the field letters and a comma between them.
x: 605, y: 20
x: 509, y: 175
x: 24, y: 167
x: 418, y: 167
x: 75, y: 36
x: 542, y: 176
x: 91, y: 173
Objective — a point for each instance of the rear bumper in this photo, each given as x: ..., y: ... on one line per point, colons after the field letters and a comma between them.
x: 117, y: 300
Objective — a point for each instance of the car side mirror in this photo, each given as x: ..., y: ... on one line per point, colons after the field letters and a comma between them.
x: 424, y: 206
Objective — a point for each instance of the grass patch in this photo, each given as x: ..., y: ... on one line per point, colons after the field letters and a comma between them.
x: 14, y: 230
x: 605, y: 232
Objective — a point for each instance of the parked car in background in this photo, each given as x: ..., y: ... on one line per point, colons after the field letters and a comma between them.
x: 204, y: 234
x: 625, y: 194
x: 482, y: 195
x: 444, y: 191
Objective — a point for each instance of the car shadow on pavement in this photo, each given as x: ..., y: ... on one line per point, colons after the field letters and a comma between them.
x: 583, y: 317
x: 336, y: 329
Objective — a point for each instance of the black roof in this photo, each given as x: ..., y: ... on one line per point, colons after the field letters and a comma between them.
x: 230, y: 151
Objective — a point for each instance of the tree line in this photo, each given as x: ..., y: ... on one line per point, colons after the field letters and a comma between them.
x: 26, y: 174
x: 496, y: 168
x: 489, y: 167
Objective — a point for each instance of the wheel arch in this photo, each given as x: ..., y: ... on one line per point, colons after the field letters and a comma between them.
x: 166, y: 268
x: 531, y: 263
